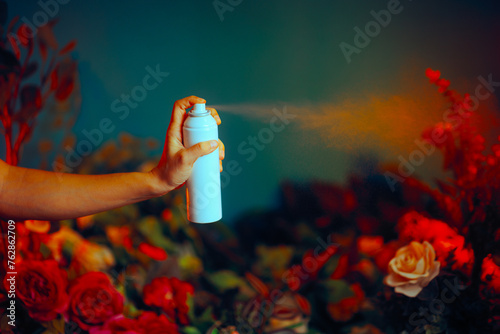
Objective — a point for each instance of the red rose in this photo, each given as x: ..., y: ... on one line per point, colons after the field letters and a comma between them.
x: 169, y: 295
x: 156, y: 253
x: 385, y: 255
x: 347, y: 307
x: 159, y: 293
x: 151, y: 323
x: 118, y: 325
x: 41, y: 286
x: 93, y: 300
x: 491, y: 274
x: 182, y: 291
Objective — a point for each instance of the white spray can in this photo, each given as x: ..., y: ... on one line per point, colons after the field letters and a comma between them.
x: 203, y: 191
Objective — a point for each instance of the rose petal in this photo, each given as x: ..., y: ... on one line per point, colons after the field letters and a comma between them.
x: 420, y: 268
x: 410, y: 290
x: 431, y: 274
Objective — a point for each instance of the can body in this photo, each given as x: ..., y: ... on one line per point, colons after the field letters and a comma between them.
x: 203, y: 191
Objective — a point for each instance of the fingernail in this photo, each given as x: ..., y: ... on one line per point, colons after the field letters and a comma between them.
x: 213, y: 143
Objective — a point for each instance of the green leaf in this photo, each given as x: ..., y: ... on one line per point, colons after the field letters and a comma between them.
x: 151, y: 229
x: 226, y: 279
x: 333, y: 290
x: 190, y: 330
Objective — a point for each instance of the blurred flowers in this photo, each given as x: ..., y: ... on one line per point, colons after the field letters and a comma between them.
x: 347, y: 307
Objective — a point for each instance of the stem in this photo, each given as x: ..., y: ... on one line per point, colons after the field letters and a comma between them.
x: 8, y: 144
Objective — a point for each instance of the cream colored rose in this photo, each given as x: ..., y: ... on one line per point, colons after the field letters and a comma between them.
x: 412, y: 268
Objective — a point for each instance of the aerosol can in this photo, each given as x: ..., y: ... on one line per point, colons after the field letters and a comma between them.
x: 203, y: 191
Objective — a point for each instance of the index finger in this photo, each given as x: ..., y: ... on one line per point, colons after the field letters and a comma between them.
x: 179, y: 111
x: 215, y: 115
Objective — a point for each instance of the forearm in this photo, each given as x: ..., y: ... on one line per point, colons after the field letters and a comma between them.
x: 34, y: 194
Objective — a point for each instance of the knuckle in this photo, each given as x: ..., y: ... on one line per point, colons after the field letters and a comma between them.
x: 184, y: 157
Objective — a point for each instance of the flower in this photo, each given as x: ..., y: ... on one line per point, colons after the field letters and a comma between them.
x: 151, y: 323
x: 288, y: 313
x: 491, y: 274
x: 444, y: 239
x: 369, y: 245
x: 156, y: 253
x: 85, y: 222
x: 347, y: 307
x: 159, y: 293
x: 93, y: 300
x: 412, y: 268
x: 37, y: 226
x: 41, y: 286
x: 182, y: 291
x: 385, y: 254
x: 169, y: 295
x: 366, y: 329
x: 89, y: 256
x: 118, y: 325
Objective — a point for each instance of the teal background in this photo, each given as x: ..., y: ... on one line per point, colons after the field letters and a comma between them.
x: 264, y: 52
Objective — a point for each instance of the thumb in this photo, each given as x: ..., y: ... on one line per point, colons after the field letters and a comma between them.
x: 198, y: 150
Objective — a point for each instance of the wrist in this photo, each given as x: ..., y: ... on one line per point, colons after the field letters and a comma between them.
x: 158, y: 187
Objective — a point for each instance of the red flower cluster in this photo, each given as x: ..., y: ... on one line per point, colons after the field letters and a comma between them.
x: 374, y: 247
x: 146, y: 323
x: 170, y: 295
x: 89, y: 301
x: 448, y: 244
x: 41, y: 286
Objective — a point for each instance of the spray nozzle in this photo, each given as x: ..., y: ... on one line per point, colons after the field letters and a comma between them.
x: 199, y: 108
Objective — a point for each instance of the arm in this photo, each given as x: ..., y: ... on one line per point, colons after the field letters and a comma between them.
x: 35, y: 194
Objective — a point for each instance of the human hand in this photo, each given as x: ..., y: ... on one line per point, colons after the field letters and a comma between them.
x: 177, y: 161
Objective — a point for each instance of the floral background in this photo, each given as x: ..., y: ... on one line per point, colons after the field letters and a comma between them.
x: 374, y: 255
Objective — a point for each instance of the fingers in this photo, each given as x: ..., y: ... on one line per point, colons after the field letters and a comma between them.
x: 179, y: 111
x: 215, y: 115
x: 222, y: 150
x: 189, y: 156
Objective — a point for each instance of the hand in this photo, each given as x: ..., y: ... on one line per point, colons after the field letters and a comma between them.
x: 177, y: 161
